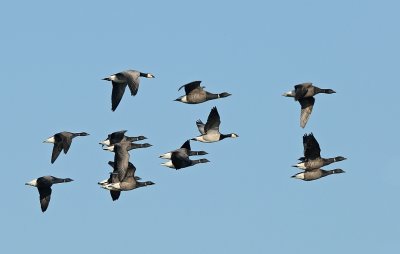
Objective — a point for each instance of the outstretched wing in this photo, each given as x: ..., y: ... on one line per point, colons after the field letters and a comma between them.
x: 200, y: 126
x: 116, y: 95
x: 307, y: 105
x: 44, y: 196
x: 213, y: 121
x: 190, y: 86
x: 133, y: 80
x: 66, y: 142
x: 113, y: 179
x: 312, y: 150
x: 186, y: 145
x: 57, y: 148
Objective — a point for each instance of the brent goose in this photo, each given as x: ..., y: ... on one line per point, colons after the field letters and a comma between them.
x: 119, y: 136
x: 114, y: 179
x: 43, y: 184
x: 121, y: 156
x: 180, y: 159
x: 119, y: 82
x: 196, y: 94
x: 304, y: 94
x: 210, y: 130
x: 314, y: 174
x: 129, y: 182
x: 186, y: 148
x: 312, y: 155
x: 62, y: 141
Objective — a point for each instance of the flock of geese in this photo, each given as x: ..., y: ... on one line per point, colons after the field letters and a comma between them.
x: 311, y: 162
x: 123, y: 176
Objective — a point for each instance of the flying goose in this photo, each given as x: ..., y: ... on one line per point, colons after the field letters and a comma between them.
x: 62, y: 141
x: 43, y: 184
x: 129, y: 182
x: 119, y: 136
x: 196, y: 94
x: 312, y: 155
x: 180, y: 159
x: 304, y: 94
x: 210, y: 130
x: 119, y: 82
x: 121, y: 156
x: 314, y: 174
x: 114, y: 179
x: 186, y: 148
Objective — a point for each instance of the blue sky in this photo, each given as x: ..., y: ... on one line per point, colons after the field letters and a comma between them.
x: 54, y: 55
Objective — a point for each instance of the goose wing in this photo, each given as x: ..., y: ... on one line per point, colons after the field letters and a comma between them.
x: 44, y: 196
x: 200, y: 126
x: 213, y: 121
x: 186, y: 145
x: 57, y: 148
x: 307, y: 105
x: 191, y: 86
x: 133, y: 80
x: 113, y: 179
x: 301, y: 90
x: 312, y: 150
x: 118, y: 91
x: 130, y: 174
x: 180, y: 159
x: 66, y: 143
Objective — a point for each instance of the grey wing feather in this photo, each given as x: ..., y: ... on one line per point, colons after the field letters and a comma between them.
x: 133, y: 81
x: 307, y: 105
x: 186, y: 145
x: 116, y: 95
x: 200, y: 126
x: 57, y: 148
x: 45, y: 195
x: 213, y: 121
x: 190, y: 86
x: 312, y: 150
x: 66, y: 142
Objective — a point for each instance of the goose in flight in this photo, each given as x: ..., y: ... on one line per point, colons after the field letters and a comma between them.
x: 314, y: 174
x: 210, y: 131
x: 120, y: 80
x: 129, y: 182
x: 304, y: 94
x: 114, y: 179
x: 43, y: 184
x: 312, y: 155
x: 119, y: 136
x: 186, y: 149
x: 121, y: 155
x: 62, y: 141
x: 196, y: 94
